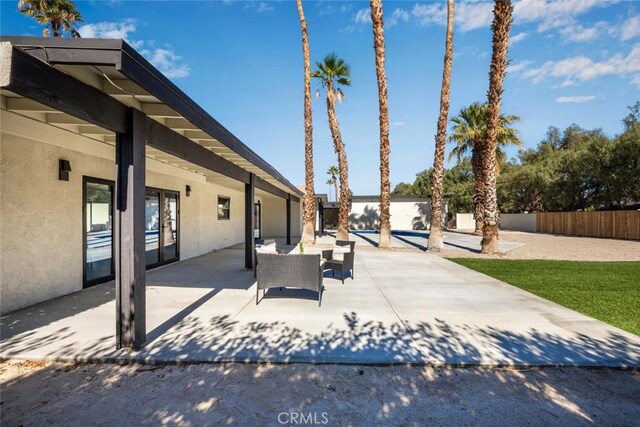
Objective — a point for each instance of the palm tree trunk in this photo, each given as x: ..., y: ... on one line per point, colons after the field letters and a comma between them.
x: 435, y: 233
x: 308, y: 227
x: 334, y: 126
x: 478, y: 185
x: 502, y: 17
x: 56, y: 28
x: 385, y: 186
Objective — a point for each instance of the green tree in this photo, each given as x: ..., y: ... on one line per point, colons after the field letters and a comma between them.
x: 334, y: 73
x: 469, y: 133
x: 58, y: 16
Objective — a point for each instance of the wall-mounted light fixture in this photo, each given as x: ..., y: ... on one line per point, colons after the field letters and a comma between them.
x: 188, y: 190
x: 64, y: 168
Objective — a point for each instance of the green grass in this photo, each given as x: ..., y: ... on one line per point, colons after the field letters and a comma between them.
x: 608, y: 291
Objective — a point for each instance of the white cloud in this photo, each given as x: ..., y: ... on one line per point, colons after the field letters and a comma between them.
x: 515, y: 68
x: 398, y: 15
x: 553, y: 13
x: 164, y: 59
x: 636, y: 80
x: 582, y: 68
x: 518, y: 38
x: 108, y: 30
x: 469, y: 15
x: 577, y: 33
x: 263, y: 7
x: 630, y: 29
x: 575, y: 99
x: 168, y: 62
x: 398, y: 123
x: 363, y: 16
x: 473, y: 14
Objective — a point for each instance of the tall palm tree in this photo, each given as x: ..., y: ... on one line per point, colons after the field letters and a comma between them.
x: 308, y: 226
x: 60, y: 15
x: 469, y: 134
x: 385, y: 185
x: 435, y: 232
x: 333, y: 73
x: 501, y: 26
x: 333, y: 173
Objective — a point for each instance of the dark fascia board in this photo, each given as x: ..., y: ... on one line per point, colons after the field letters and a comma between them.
x: 130, y: 63
x: 165, y: 139
x: 37, y: 80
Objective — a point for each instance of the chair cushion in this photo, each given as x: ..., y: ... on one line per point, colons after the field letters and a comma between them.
x: 267, y: 249
x: 339, y: 251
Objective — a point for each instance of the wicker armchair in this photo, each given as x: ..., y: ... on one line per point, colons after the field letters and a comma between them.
x: 289, y: 271
x: 344, y: 266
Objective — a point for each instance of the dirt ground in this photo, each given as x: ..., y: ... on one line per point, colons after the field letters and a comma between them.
x: 37, y: 393
x: 548, y: 246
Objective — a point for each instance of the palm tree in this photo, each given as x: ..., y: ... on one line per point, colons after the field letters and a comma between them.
x: 435, y: 231
x: 60, y: 15
x: 469, y: 133
x: 333, y: 73
x: 308, y: 226
x: 333, y: 173
x: 501, y: 26
x: 385, y: 185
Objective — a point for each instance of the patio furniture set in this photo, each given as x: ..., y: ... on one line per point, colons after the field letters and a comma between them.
x: 275, y: 269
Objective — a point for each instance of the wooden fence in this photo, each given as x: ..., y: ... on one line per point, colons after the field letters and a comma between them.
x: 606, y: 224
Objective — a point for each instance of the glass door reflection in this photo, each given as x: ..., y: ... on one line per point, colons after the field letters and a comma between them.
x: 169, y: 226
x: 152, y: 227
x: 98, y: 231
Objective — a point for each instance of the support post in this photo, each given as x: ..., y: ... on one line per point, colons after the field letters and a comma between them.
x: 129, y: 235
x: 288, y: 219
x: 249, y: 225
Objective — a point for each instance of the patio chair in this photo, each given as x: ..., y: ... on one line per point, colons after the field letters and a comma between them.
x: 289, y: 271
x: 343, y: 263
x: 266, y: 246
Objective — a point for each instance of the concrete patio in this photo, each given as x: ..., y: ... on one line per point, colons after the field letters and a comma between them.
x: 401, y: 308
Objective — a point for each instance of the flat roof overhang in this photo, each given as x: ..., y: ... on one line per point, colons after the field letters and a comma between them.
x: 88, y: 84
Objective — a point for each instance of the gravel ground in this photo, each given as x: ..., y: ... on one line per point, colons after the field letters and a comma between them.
x: 547, y: 246
x: 35, y: 393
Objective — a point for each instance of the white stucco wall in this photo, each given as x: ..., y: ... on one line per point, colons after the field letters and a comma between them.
x: 518, y: 222
x: 465, y: 221
x: 41, y: 217
x: 274, y: 217
x: 405, y: 215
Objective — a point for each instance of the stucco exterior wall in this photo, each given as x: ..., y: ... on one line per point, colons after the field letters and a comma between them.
x: 274, y: 217
x: 405, y: 215
x: 518, y: 222
x: 41, y: 230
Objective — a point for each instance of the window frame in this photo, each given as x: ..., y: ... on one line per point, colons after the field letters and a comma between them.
x: 221, y: 206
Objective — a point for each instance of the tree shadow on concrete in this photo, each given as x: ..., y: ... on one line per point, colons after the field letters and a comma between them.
x: 366, y: 393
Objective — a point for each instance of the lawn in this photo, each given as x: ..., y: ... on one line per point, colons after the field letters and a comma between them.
x: 608, y: 291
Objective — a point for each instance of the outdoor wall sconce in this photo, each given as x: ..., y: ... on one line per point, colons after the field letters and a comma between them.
x: 64, y: 168
x: 188, y: 190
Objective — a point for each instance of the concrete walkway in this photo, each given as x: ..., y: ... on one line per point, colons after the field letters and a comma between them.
x: 402, y: 307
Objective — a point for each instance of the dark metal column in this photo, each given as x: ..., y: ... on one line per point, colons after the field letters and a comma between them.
x: 288, y: 219
x: 129, y: 233
x: 249, y: 223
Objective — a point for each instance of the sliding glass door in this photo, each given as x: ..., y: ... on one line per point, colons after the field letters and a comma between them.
x: 161, y: 226
x: 162, y: 239
x: 98, y: 231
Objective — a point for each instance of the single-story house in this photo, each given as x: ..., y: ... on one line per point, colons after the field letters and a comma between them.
x: 109, y: 169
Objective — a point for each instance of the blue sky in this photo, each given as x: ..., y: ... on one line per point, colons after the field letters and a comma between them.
x: 572, y: 61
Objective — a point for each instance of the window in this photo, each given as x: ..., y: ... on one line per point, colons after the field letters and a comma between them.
x: 224, y: 210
